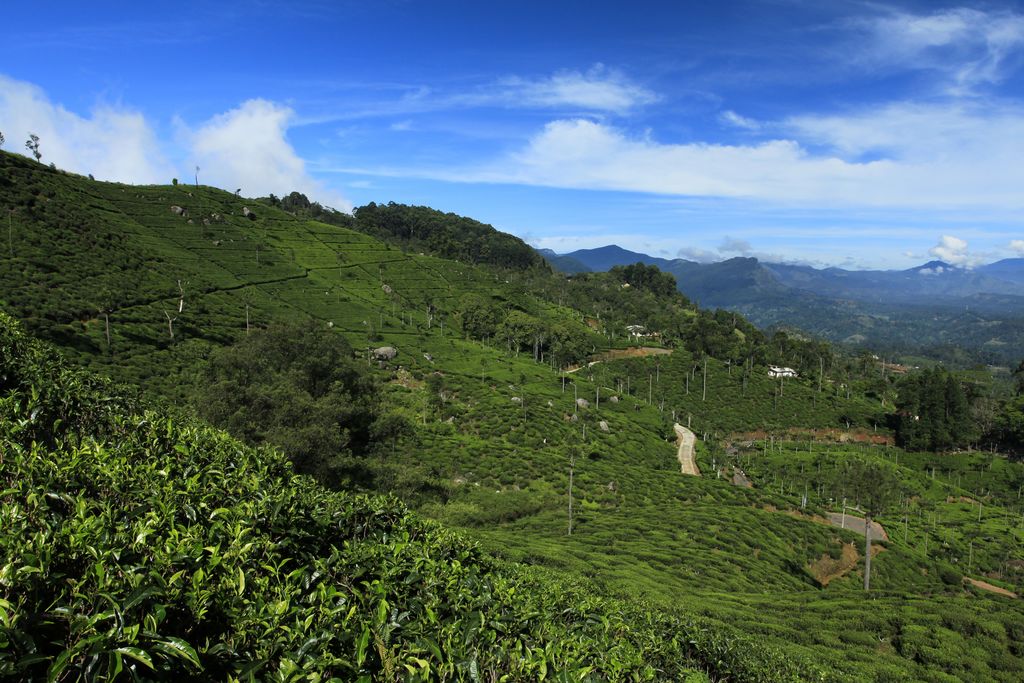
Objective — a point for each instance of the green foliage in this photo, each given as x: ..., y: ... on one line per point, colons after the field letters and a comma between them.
x: 136, y: 547
x: 297, y: 387
x: 933, y: 412
x: 447, y: 235
x: 648, y: 278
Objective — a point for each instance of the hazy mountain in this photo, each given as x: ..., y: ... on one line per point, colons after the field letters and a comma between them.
x: 930, y: 308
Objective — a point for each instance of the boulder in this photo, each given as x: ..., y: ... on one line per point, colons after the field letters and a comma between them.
x: 582, y: 403
x: 384, y: 353
x: 603, y: 425
x: 178, y: 211
x: 248, y: 213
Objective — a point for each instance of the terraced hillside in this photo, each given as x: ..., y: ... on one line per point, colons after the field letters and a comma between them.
x: 501, y: 445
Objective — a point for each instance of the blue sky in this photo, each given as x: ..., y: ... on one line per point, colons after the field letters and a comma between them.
x: 860, y: 134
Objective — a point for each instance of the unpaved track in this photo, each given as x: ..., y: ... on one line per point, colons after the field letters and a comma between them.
x: 856, y: 525
x: 986, y: 586
x: 687, y: 439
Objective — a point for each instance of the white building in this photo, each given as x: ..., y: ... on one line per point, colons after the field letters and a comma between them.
x: 776, y: 371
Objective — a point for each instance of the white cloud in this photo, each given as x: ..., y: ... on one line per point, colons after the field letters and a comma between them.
x: 731, y: 245
x: 932, y: 157
x: 248, y: 148
x: 966, y: 46
x: 598, y: 89
x: 1017, y: 246
x: 731, y: 118
x: 697, y: 254
x: 112, y: 143
x: 245, y: 147
x: 953, y: 251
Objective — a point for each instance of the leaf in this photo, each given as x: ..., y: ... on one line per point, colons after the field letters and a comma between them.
x: 364, y: 641
x: 137, y: 654
x: 178, y: 648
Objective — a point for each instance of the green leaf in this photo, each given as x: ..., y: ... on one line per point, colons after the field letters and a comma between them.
x: 364, y: 640
x: 137, y: 654
x: 178, y: 648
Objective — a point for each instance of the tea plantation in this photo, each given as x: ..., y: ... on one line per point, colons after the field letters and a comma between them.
x: 535, y: 524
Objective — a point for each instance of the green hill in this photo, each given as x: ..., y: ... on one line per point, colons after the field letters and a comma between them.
x: 480, y: 424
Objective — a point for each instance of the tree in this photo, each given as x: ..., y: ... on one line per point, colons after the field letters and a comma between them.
x: 875, y: 485
x: 299, y: 388
x: 2, y: 140
x: 32, y: 145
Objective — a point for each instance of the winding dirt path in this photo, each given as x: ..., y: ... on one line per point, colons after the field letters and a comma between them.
x: 687, y: 439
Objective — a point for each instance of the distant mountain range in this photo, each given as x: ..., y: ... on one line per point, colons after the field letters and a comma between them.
x: 935, y: 309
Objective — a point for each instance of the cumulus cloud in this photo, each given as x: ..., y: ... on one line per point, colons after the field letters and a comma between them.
x: 112, y: 143
x: 247, y: 147
x: 924, y: 156
x: 969, y: 47
x: 952, y: 250
x: 1017, y: 246
x: 598, y: 89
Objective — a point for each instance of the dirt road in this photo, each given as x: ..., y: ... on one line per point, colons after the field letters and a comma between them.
x: 687, y: 439
x: 856, y: 524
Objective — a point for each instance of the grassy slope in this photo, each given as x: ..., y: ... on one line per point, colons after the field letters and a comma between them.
x: 492, y: 465
x: 137, y: 546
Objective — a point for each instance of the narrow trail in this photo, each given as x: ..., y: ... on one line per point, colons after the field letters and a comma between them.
x: 687, y: 439
x: 986, y: 586
x: 615, y: 354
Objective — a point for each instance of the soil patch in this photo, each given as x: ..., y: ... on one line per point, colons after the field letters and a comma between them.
x: 986, y: 586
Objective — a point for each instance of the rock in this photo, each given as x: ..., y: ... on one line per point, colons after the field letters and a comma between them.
x: 614, y: 399
x: 206, y: 221
x: 387, y: 289
x: 190, y: 221
x: 574, y: 418
x: 428, y: 357
x: 216, y: 243
x: 582, y: 403
x: 603, y: 425
x: 178, y: 211
x: 550, y: 404
x: 385, y: 353
x: 248, y: 213
x: 516, y: 399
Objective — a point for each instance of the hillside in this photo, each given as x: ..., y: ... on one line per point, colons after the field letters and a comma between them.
x: 135, y: 547
x: 515, y: 394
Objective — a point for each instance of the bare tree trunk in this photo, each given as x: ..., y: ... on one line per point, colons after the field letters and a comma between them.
x: 704, y: 392
x: 170, y: 323
x: 181, y: 299
x: 572, y: 467
x: 106, y: 321
x: 867, y: 552
x: 247, y: 318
